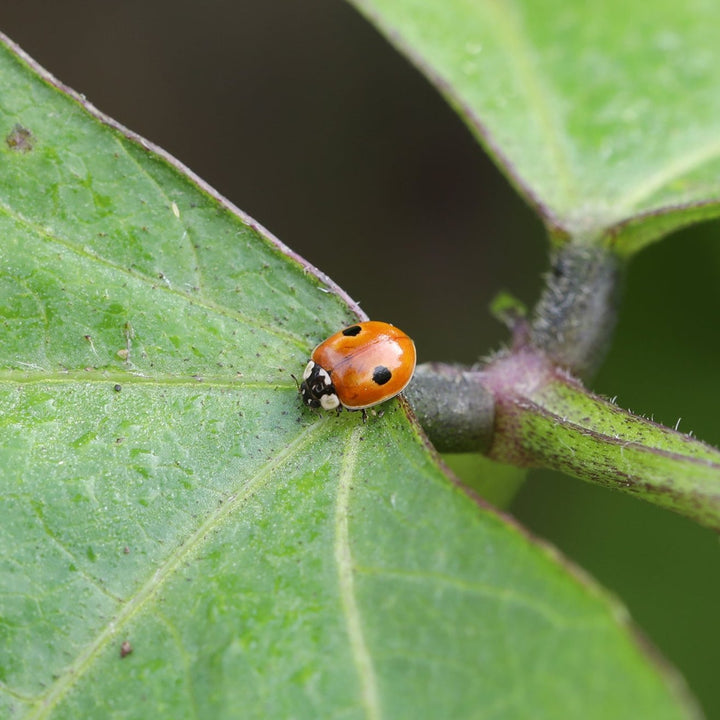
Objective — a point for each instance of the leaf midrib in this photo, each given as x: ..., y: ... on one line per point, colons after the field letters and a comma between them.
x: 346, y: 582
x: 538, y: 91
x: 101, y: 376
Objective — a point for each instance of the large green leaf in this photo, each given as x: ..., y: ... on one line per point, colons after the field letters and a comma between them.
x: 605, y: 115
x: 179, y: 538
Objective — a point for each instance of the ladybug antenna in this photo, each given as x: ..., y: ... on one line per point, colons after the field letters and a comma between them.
x: 296, y: 381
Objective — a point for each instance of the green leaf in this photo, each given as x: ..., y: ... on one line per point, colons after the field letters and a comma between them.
x: 508, y: 309
x: 493, y: 481
x: 606, y: 116
x: 179, y: 537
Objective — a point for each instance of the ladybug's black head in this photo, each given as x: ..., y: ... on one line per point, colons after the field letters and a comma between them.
x: 317, y: 388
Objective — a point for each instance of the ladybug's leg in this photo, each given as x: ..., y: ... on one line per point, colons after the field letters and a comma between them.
x: 364, y: 415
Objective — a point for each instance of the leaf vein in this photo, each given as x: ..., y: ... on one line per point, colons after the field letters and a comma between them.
x: 346, y: 569
x: 84, y: 377
x: 122, y: 143
x: 189, y: 676
x: 93, y: 581
x: 151, y: 588
x: 204, y: 303
x: 676, y: 168
x: 537, y: 89
x: 504, y: 595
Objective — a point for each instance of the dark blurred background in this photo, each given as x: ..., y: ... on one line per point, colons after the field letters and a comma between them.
x: 304, y: 117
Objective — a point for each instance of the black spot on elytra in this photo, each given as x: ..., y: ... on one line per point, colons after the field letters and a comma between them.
x: 20, y: 139
x: 352, y: 331
x: 381, y: 375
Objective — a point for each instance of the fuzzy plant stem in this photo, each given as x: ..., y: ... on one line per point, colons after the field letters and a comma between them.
x: 571, y: 328
x: 574, y: 319
x: 528, y: 407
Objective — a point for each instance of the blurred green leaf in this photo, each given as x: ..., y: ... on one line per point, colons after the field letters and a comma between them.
x: 179, y: 538
x: 507, y: 309
x: 606, y: 116
x: 493, y: 481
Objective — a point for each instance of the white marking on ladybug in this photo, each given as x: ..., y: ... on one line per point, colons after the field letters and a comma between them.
x: 329, y: 402
x: 308, y: 370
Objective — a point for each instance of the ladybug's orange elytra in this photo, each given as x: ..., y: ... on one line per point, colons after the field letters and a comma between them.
x: 360, y: 366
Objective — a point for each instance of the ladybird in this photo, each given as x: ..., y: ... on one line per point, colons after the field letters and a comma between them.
x: 358, y: 367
